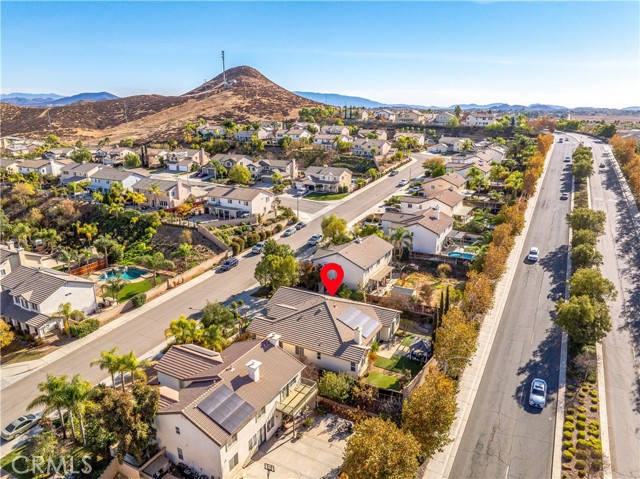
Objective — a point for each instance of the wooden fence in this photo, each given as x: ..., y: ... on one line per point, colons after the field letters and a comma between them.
x: 86, y: 269
x: 402, y: 304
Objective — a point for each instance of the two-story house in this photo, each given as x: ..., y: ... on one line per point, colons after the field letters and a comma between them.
x: 243, y: 136
x: 429, y: 228
x: 369, y: 148
x: 365, y: 261
x: 57, y: 153
x: 443, y: 118
x: 116, y: 155
x: 265, y: 169
x: 326, y: 179
x: 212, y: 131
x: 480, y: 119
x: 229, y: 202
x: 43, y: 167
x: 375, y: 134
x: 419, y: 137
x: 186, y: 159
x: 164, y: 194
x: 449, y: 201
x: 328, y: 141
x: 104, y: 178
x: 78, y: 172
x: 330, y: 332
x: 32, y: 296
x: 229, y: 160
x: 453, y: 181
x: 217, y: 409
x: 410, y: 116
x: 385, y: 115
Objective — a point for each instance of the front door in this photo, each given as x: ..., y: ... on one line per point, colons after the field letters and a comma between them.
x: 263, y: 435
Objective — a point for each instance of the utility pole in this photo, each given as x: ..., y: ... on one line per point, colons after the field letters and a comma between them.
x: 224, y: 72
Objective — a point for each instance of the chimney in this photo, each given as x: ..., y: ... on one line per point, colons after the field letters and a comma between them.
x: 274, y: 339
x: 357, y: 335
x: 436, y: 210
x: 253, y: 368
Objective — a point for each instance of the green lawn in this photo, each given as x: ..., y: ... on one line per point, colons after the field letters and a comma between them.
x: 382, y: 380
x: 326, y: 196
x: 131, y: 289
x: 5, y: 462
x: 406, y: 342
x: 398, y: 364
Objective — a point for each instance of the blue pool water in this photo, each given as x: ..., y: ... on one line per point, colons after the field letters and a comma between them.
x: 130, y: 273
x: 457, y: 254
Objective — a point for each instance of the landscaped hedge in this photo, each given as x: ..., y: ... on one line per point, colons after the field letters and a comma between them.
x: 139, y: 299
x: 87, y: 326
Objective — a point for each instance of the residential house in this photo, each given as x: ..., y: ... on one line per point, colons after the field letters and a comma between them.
x: 443, y: 118
x: 455, y: 144
x: 154, y: 157
x: 480, y: 119
x: 212, y: 131
x: 264, y: 169
x: 56, y: 153
x: 365, y: 261
x: 32, y: 296
x: 12, y: 166
x: 43, y: 167
x: 429, y: 228
x: 217, y: 409
x: 335, y: 130
x: 229, y: 160
x: 293, y: 133
x: 385, y: 115
x: 11, y: 257
x: 419, y: 137
x: 356, y: 114
x: 464, y: 166
x: 168, y: 194
x: 438, y: 148
x: 115, y: 156
x: 229, y: 202
x: 325, y: 179
x: 444, y: 182
x: 104, y: 178
x: 449, y: 201
x: 492, y: 154
x: 186, y: 160
x: 380, y: 134
x: 370, y: 148
x: 410, y: 116
x: 78, y: 172
x: 243, y: 136
x: 306, y: 125
x: 328, y: 141
x: 330, y: 332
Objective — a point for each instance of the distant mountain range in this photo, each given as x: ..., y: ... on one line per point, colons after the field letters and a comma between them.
x: 335, y: 99
x: 53, y: 99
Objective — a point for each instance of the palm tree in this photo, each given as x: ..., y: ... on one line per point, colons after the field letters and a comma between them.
x: 110, y: 361
x: 132, y: 365
x: 514, y: 181
x: 67, y: 256
x: 115, y: 286
x: 103, y: 242
x: 78, y: 392
x: 53, y: 397
x: 212, y: 338
x: 66, y: 312
x: 116, y: 208
x: 401, y: 239
x: 137, y: 198
x: 154, y: 189
x: 183, y: 330
x: 155, y: 262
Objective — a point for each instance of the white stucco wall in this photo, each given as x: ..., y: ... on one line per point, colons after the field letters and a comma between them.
x: 82, y: 297
x: 328, y: 363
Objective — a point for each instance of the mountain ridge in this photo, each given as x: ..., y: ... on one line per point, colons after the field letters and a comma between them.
x: 53, y: 99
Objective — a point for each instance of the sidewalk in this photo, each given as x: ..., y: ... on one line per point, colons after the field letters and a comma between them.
x: 439, y: 466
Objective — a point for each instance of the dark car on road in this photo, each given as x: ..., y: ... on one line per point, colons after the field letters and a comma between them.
x: 228, y: 264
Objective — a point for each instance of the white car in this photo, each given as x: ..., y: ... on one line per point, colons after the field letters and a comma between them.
x: 20, y: 426
x: 564, y: 196
x: 533, y: 254
x: 403, y: 182
x: 538, y: 393
x: 258, y: 247
x: 414, y: 189
x: 289, y: 231
x: 315, y: 239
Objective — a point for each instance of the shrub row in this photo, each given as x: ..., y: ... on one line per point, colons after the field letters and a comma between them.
x: 87, y: 326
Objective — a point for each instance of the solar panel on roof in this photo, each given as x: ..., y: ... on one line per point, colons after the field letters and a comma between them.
x: 226, y: 409
x: 353, y: 317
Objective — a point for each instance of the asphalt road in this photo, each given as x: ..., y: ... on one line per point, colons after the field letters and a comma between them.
x: 621, y: 255
x: 505, y: 437
x: 147, y: 331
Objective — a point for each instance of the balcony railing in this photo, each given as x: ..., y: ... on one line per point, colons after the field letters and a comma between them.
x: 297, y: 399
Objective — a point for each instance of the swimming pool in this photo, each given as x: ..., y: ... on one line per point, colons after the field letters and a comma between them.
x: 457, y: 254
x: 128, y: 274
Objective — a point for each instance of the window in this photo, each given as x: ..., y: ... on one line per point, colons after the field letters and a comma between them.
x: 353, y: 366
x: 232, y: 440
x: 180, y: 455
x: 261, y: 413
x: 177, y: 430
x: 233, y: 462
x: 319, y: 356
x: 230, y: 201
x: 253, y: 442
x: 271, y: 422
x: 299, y: 351
x: 246, y: 203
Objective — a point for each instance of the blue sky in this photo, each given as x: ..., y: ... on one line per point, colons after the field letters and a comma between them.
x: 432, y: 53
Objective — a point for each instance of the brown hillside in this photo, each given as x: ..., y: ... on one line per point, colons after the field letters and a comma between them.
x: 249, y: 95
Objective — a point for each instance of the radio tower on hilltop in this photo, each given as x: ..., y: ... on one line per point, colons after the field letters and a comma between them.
x: 224, y: 73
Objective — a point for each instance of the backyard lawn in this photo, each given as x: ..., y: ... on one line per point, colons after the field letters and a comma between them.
x: 398, y: 364
x: 326, y: 196
x: 382, y: 380
x: 131, y: 289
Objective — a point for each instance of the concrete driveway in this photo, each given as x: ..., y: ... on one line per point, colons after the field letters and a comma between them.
x: 316, y: 455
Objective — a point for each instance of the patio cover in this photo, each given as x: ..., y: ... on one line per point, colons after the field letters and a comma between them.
x: 380, y: 275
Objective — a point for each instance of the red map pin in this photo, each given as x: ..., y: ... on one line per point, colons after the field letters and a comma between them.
x: 332, y: 275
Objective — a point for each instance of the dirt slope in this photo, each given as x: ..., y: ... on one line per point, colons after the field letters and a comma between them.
x: 248, y: 95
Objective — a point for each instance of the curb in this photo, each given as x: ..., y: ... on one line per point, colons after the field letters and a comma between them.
x: 440, y: 465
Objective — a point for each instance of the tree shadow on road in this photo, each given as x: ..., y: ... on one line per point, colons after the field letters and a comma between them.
x: 555, y: 263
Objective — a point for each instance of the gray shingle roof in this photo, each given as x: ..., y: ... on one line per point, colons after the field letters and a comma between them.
x: 144, y: 184
x: 78, y: 168
x: 313, y: 321
x: 30, y: 318
x: 37, y: 284
x: 236, y: 193
x: 363, y: 254
x: 108, y: 173
x: 427, y: 219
